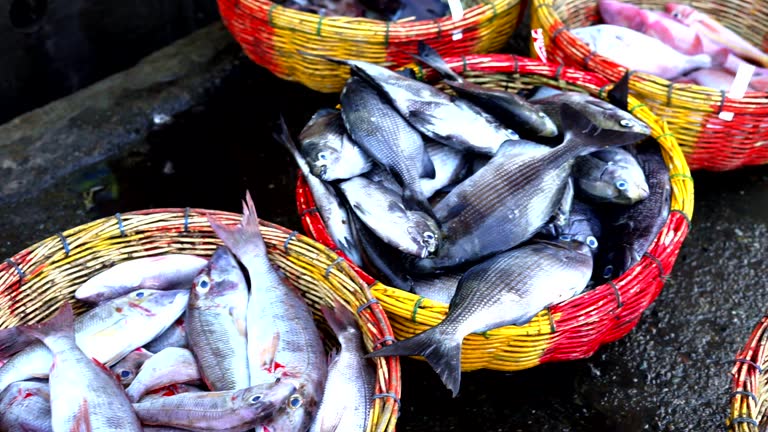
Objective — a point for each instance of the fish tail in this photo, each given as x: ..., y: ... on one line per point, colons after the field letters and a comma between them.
x: 583, y: 137
x: 61, y: 324
x: 283, y: 136
x: 430, y: 57
x: 245, y: 237
x: 443, y: 354
x: 339, y: 318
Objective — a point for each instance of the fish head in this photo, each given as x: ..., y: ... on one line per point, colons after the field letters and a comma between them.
x: 424, y: 232
x: 266, y: 403
x: 321, y: 157
x: 617, y: 182
x: 608, y: 116
x: 220, y: 276
x: 127, y: 368
x: 297, y: 410
x: 680, y: 12
x: 545, y: 125
x: 149, y: 302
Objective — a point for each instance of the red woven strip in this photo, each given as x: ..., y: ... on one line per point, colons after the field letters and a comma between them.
x: 249, y: 23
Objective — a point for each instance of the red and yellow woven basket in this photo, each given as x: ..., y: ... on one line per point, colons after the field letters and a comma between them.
x: 37, y: 280
x: 272, y: 36
x: 573, y: 329
x: 692, y: 111
x: 749, y: 399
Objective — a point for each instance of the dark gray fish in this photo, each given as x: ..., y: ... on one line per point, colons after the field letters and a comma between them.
x: 610, y: 175
x: 599, y: 112
x: 393, y: 10
x: 440, y: 287
x: 563, y: 212
x: 542, y: 92
x: 175, y: 336
x: 25, y: 406
x: 329, y: 150
x: 582, y: 225
x: 630, y: 230
x: 454, y: 122
x: 507, y: 289
x: 514, y: 111
x: 388, y: 139
x: 507, y: 201
x: 382, y: 210
x: 331, y: 211
x: 450, y: 166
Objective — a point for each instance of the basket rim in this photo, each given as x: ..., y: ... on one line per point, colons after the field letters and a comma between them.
x: 746, y: 388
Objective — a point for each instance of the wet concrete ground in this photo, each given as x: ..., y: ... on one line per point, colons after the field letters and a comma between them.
x: 669, y: 374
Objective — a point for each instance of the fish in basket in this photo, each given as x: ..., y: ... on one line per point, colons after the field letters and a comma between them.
x: 190, y: 320
x: 703, y: 67
x: 509, y: 230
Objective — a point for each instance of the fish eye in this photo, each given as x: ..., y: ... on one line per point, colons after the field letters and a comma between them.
x: 322, y: 156
x: 542, y: 115
x: 295, y: 401
x: 608, y: 271
x: 256, y: 398
x: 125, y: 374
x: 592, y: 242
x: 621, y: 185
x: 204, y: 284
x: 429, y: 236
x: 626, y: 123
x: 140, y: 294
x: 566, y: 237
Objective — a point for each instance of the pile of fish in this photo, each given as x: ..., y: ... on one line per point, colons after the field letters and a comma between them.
x: 384, y: 10
x: 680, y: 44
x: 497, y: 204
x: 179, y: 342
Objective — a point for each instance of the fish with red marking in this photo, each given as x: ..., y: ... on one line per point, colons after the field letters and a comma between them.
x: 126, y: 369
x: 26, y: 407
x: 169, y: 366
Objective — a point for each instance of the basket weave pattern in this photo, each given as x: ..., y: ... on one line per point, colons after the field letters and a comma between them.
x: 692, y: 111
x: 272, y: 36
x: 37, y: 280
x: 573, y: 329
x: 749, y: 399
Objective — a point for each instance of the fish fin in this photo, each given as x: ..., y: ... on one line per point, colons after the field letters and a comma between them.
x: 359, y: 209
x: 427, y: 166
x: 269, y: 352
x: 587, y: 136
x: 239, y: 323
x: 282, y: 135
x: 443, y: 354
x: 62, y: 323
x: 430, y: 57
x: 82, y: 419
x: 107, y: 370
x: 339, y: 318
x: 240, y: 238
x: 720, y: 57
x: 618, y: 96
x: 408, y: 73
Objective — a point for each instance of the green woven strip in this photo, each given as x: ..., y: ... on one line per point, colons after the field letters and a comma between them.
x: 682, y: 176
x: 632, y: 110
x: 416, y: 308
x: 669, y: 134
x: 420, y: 75
x: 269, y: 14
x: 386, y: 36
x: 319, y: 25
x: 463, y: 64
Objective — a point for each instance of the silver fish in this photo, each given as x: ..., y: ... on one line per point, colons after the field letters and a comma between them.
x: 453, y: 122
x: 349, y: 374
x: 169, y: 366
x: 230, y: 411
x: 601, y: 113
x: 514, y: 111
x: 26, y: 407
x: 450, y: 165
x: 175, y: 336
x: 283, y: 341
x: 329, y: 150
x: 332, y: 212
x: 84, y: 395
x: 507, y: 289
x: 163, y: 272
x: 127, y: 368
x: 610, y: 175
x: 215, y: 322
x: 106, y: 333
x: 382, y: 210
x: 439, y: 288
x: 388, y: 139
x: 509, y: 199
x: 582, y: 225
x: 170, y: 390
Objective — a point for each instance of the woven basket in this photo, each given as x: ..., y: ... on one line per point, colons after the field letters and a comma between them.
x: 573, y: 329
x: 690, y: 110
x: 272, y: 35
x: 36, y: 281
x: 749, y: 400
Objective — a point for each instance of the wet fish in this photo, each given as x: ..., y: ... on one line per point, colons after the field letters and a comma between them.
x: 349, y: 374
x: 26, y: 407
x: 382, y: 210
x: 439, y: 288
x: 611, y: 175
x: 175, y: 336
x: 454, y: 122
x: 514, y: 111
x: 216, y: 320
x: 331, y: 210
x: 450, y: 166
x: 329, y: 150
x: 126, y: 369
x: 106, y: 333
x: 231, y: 411
x: 388, y: 139
x: 283, y: 341
x: 509, y: 199
x: 170, y: 390
x: 630, y: 230
x: 163, y: 272
x: 507, y: 289
x: 169, y: 366
x: 582, y: 225
x: 83, y: 395
x: 599, y: 112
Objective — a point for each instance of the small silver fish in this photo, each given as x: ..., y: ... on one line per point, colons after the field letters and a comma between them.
x: 25, y: 406
x: 610, y: 175
x: 127, y: 368
x: 439, y: 288
x: 601, y: 113
x: 329, y: 150
x: 175, y: 336
x: 163, y: 272
x: 169, y: 366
